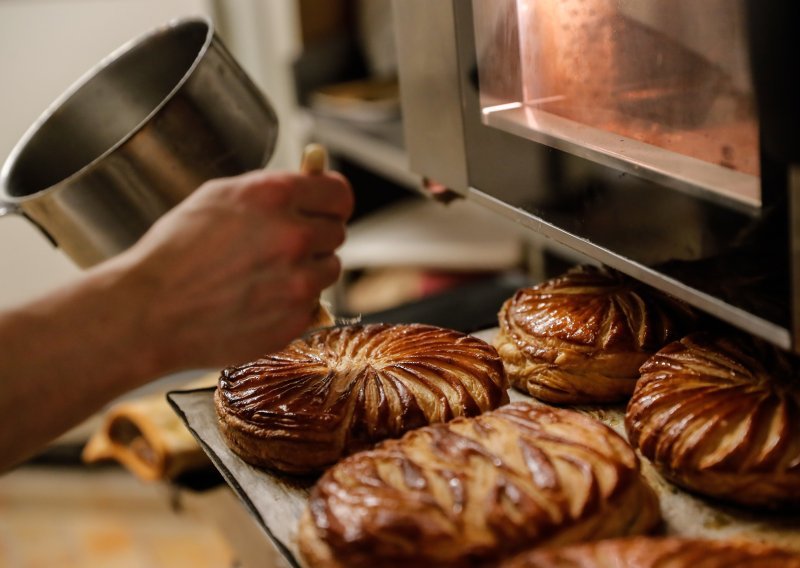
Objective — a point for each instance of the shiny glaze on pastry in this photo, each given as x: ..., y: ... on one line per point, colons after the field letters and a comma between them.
x: 649, y: 552
x: 473, y: 491
x: 721, y: 415
x: 340, y: 390
x: 581, y: 337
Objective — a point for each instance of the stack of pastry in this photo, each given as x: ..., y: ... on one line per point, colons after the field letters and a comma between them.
x: 720, y: 415
x: 340, y: 390
x: 474, y: 491
x: 580, y: 338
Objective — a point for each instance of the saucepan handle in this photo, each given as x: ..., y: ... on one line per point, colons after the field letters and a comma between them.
x: 315, y: 159
x: 8, y: 209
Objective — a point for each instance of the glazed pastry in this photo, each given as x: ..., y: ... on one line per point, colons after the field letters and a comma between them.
x: 721, y: 416
x: 580, y: 338
x: 340, y: 390
x: 649, y: 552
x: 476, y: 490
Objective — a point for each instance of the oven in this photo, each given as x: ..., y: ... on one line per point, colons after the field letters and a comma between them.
x: 658, y: 137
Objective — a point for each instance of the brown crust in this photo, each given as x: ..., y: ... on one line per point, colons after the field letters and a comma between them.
x: 580, y: 338
x: 474, y: 491
x: 341, y: 390
x: 721, y: 416
x: 648, y: 552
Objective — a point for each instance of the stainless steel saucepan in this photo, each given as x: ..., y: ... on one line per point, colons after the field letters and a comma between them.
x: 133, y: 137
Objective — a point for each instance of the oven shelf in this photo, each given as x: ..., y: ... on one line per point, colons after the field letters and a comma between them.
x: 682, y: 280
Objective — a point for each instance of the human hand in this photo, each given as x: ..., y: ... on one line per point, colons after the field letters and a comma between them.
x: 235, y: 271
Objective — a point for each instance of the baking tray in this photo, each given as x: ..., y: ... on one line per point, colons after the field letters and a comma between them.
x: 277, y: 501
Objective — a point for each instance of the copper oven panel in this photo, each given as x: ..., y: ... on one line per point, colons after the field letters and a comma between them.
x: 659, y: 87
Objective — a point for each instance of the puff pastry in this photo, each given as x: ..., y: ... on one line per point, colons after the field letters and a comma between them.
x: 148, y: 438
x: 720, y: 415
x: 649, y: 552
x: 580, y: 338
x: 475, y: 490
x: 342, y: 389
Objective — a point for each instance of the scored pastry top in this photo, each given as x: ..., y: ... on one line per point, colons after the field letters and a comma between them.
x: 596, y: 307
x: 478, y: 489
x: 345, y: 388
x: 712, y: 404
x: 580, y: 338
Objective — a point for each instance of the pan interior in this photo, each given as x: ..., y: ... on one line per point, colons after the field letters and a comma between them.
x: 105, y: 108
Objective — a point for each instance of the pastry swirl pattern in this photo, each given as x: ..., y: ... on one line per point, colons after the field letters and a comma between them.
x: 649, y: 552
x: 474, y: 491
x: 581, y: 337
x: 340, y: 390
x: 721, y: 416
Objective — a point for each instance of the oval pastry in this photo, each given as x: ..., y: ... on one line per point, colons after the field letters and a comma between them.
x: 340, y: 390
x: 648, y: 552
x: 580, y: 338
x: 721, y: 416
x: 476, y: 490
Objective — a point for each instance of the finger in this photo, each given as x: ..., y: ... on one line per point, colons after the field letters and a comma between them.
x: 293, y: 288
x: 310, y: 278
x: 328, y: 235
x: 328, y: 194
x: 305, y: 237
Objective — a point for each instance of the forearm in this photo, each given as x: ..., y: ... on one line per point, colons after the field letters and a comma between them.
x: 232, y: 273
x: 64, y: 356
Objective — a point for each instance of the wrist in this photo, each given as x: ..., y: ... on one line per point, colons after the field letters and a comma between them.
x: 118, y: 296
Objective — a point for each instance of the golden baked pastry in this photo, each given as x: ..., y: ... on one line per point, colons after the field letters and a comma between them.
x: 580, y: 338
x: 147, y: 437
x: 650, y: 552
x: 475, y: 490
x: 340, y: 390
x: 721, y: 416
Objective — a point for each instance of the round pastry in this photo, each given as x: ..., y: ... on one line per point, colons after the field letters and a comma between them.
x: 340, y: 390
x: 721, y: 416
x: 580, y: 338
x: 649, y: 552
x: 476, y: 490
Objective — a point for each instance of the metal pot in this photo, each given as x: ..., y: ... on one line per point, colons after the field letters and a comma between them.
x: 133, y: 137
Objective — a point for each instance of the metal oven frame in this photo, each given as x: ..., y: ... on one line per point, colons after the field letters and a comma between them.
x: 734, y: 259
